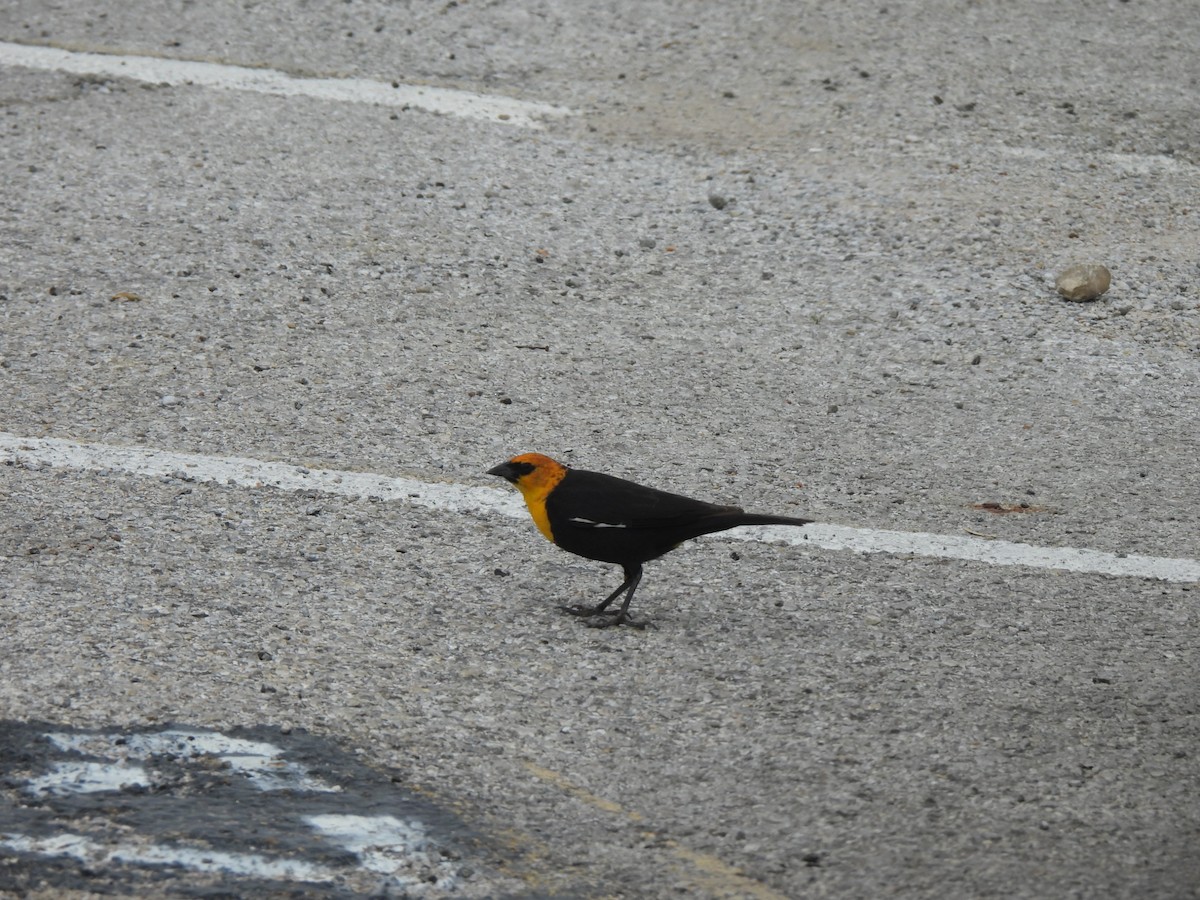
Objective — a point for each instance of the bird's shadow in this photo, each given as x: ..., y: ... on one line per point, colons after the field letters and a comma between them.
x: 593, y: 619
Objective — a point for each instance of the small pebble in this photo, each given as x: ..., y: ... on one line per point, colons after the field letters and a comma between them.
x: 717, y: 201
x: 1083, y: 282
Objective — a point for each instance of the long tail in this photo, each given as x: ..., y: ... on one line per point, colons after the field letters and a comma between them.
x: 756, y: 519
x: 733, y: 518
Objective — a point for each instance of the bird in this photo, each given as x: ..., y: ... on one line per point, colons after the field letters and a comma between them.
x: 612, y: 520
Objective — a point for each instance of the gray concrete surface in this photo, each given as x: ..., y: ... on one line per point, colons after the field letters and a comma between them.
x: 866, y: 330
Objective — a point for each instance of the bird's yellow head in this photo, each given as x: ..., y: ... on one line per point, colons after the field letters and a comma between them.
x: 535, y: 476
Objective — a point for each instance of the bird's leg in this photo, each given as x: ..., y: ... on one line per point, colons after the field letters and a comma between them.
x: 633, y: 575
x: 599, y: 608
x: 622, y: 618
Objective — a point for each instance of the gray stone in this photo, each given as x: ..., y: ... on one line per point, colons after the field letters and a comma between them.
x: 1083, y: 282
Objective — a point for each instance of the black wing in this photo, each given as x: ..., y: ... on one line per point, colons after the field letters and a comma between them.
x: 594, y: 500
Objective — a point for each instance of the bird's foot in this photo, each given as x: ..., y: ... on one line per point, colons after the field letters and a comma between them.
x: 598, y: 618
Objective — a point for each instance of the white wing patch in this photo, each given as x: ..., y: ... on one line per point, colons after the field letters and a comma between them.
x: 590, y: 523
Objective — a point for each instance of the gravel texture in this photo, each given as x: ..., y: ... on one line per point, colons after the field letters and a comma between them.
x: 793, y: 256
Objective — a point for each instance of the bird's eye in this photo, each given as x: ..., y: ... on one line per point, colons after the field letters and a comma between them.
x: 521, y: 469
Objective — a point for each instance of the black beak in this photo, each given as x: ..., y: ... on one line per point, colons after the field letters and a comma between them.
x: 504, y: 470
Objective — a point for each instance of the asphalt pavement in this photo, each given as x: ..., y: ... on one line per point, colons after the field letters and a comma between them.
x: 786, y: 255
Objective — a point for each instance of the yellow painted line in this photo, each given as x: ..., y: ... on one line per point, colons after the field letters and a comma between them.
x: 569, y: 787
x: 714, y: 873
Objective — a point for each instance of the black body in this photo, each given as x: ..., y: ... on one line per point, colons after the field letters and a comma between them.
x: 613, y: 520
x: 619, y: 521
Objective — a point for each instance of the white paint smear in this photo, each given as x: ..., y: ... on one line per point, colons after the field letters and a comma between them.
x: 94, y: 853
x: 260, y: 762
x: 382, y: 844
x: 157, y: 70
x: 252, y: 473
x: 87, y: 778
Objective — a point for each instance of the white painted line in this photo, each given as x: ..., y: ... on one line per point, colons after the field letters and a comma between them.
x: 54, y: 453
x: 197, y: 859
x: 158, y: 70
x: 992, y: 552
x: 253, y: 473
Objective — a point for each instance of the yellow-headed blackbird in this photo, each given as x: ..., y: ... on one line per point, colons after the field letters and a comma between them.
x: 616, y: 521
